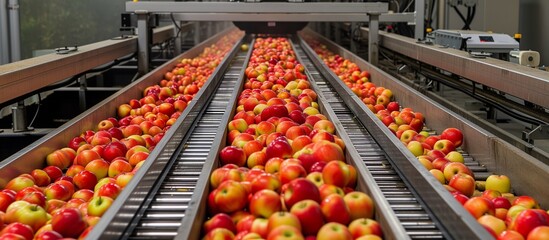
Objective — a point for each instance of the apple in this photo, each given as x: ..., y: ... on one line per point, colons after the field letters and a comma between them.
x: 85, y: 180
x: 41, y: 177
x: 57, y: 191
x: 439, y: 175
x: 113, y: 150
x: 510, y: 235
x: 500, y: 183
x: 220, y: 220
x: 285, y: 232
x: 415, y: 148
x: 98, y: 205
x: 108, y: 190
x: 336, y: 173
x: 53, y: 172
x: 290, y: 172
x: 528, y: 220
x: 123, y: 179
x: 260, y: 226
x: 231, y: 197
x: 5, y: 200
x: 364, y: 226
x: 497, y: 225
x: 274, y: 111
x: 86, y: 156
x: 232, y: 155
x: 59, y: 158
x: 32, y: 195
x: 47, y: 235
x: 280, y: 148
x: 464, y: 183
x: 219, y: 234
x: 13, y: 230
x: 19, y: 183
x: 264, y: 203
x: 334, y: 231
x: 454, y: 135
x: 479, y: 206
x: 539, y: 233
x: 99, y: 167
x: 407, y: 136
x: 335, y: 209
x: 501, y: 202
x: 454, y: 156
x: 310, y: 216
x: 444, y: 145
x: 526, y: 201
x: 316, y: 178
x: 29, y: 214
x: 266, y: 181
x: 119, y: 166
x: 299, y: 189
x: 84, y: 194
x: 283, y: 218
x: 453, y: 168
x: 360, y: 205
x: 68, y: 222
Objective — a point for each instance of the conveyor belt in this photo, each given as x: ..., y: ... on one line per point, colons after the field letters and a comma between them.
x: 163, y: 216
x: 412, y: 215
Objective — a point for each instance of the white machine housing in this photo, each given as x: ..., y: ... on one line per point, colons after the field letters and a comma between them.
x: 477, y: 41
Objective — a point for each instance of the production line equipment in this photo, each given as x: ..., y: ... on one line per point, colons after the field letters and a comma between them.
x: 167, y: 197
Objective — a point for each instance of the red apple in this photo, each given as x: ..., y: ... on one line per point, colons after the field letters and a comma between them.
x: 334, y: 231
x: 299, y: 189
x: 464, y: 183
x: 68, y: 222
x: 365, y: 226
x: 479, y: 206
x: 454, y: 135
x: 231, y: 197
x: 264, y: 203
x: 310, y: 216
x: 285, y: 232
x: 360, y: 205
x: 283, y: 218
x: 335, y: 209
x: 336, y: 173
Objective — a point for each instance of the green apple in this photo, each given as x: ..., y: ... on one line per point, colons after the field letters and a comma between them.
x: 98, y: 205
x: 500, y: 183
x: 30, y: 214
x: 455, y: 156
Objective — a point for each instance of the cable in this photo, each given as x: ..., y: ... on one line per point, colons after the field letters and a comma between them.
x: 408, y: 6
x: 37, y: 110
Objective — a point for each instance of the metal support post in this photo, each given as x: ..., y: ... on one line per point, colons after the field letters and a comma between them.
x: 4, y: 33
x: 352, y: 38
x: 337, y: 33
x: 13, y: 8
x: 196, y: 33
x: 82, y: 92
x: 441, y: 16
x: 420, y: 19
x: 178, y: 41
x: 143, y: 43
x: 19, y: 117
x: 373, y: 36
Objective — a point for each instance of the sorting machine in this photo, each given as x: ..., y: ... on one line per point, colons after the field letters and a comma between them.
x: 166, y: 199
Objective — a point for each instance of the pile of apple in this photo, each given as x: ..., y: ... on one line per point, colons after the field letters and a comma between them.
x: 67, y: 197
x: 504, y: 215
x: 283, y: 173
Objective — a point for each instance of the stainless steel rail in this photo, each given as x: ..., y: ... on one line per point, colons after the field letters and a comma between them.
x: 173, y: 202
x: 137, y: 193
x: 453, y: 218
x: 396, y: 203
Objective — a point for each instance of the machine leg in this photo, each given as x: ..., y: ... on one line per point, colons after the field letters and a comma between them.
x: 178, y: 40
x: 82, y: 93
x: 373, y: 35
x: 352, y: 38
x: 143, y: 43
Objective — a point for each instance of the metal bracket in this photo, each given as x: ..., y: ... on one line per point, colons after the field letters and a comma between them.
x: 373, y: 38
x: 539, y: 132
